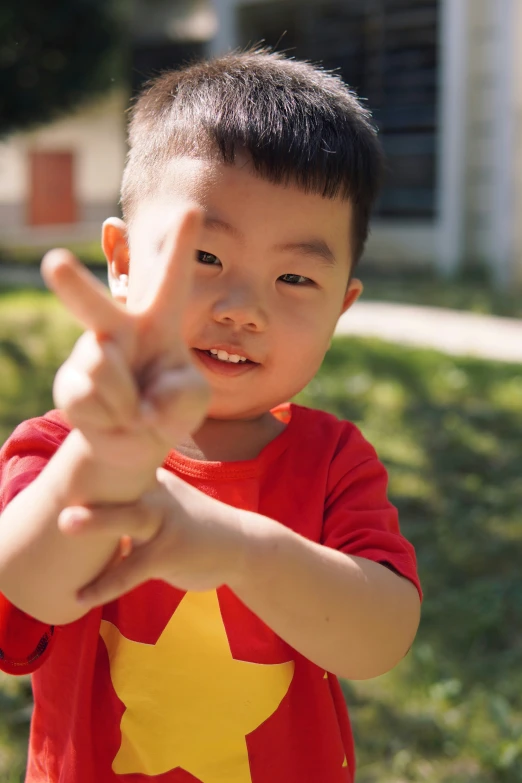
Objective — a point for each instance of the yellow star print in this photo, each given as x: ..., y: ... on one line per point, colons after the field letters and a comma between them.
x: 189, y: 704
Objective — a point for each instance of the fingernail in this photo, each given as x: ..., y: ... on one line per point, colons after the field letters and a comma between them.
x: 72, y: 519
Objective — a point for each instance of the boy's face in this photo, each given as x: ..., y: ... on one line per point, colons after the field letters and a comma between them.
x: 270, y: 279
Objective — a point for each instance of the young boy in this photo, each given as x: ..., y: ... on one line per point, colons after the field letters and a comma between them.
x: 189, y: 622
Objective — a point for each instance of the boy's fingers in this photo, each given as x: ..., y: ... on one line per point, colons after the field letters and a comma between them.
x: 103, y: 365
x: 170, y: 287
x: 84, y: 295
x: 83, y: 407
x: 138, y: 520
x: 115, y: 582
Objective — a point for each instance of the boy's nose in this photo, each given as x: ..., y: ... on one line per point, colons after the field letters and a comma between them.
x: 240, y: 308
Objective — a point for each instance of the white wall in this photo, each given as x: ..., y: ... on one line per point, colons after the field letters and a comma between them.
x: 480, y: 130
x: 517, y: 160
x: 13, y: 171
x: 95, y: 134
x: 494, y: 160
x: 402, y: 242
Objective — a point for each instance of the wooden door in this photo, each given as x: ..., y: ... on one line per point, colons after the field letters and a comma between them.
x: 52, y: 197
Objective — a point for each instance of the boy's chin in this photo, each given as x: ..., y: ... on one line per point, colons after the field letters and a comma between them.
x: 220, y: 414
x: 225, y: 410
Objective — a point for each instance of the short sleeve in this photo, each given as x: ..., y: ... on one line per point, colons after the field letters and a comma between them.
x: 359, y: 519
x: 25, y: 642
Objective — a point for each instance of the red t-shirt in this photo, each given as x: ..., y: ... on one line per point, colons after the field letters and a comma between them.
x: 186, y: 687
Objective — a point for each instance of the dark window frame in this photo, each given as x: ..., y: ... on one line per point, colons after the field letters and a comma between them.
x: 387, y: 50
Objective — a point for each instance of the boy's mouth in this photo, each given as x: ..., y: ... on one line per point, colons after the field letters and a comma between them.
x: 223, y: 362
x: 224, y: 356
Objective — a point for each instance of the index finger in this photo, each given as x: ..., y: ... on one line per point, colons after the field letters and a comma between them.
x: 84, y: 295
x: 172, y: 276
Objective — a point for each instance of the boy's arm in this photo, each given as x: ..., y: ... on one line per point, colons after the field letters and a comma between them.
x: 350, y: 615
x: 40, y: 568
x: 112, y: 454
x: 354, y: 617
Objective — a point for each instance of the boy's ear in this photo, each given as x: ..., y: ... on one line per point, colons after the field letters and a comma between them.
x: 353, y: 292
x: 116, y: 250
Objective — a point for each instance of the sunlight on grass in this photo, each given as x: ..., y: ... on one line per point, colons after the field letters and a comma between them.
x: 451, y: 712
x: 35, y: 335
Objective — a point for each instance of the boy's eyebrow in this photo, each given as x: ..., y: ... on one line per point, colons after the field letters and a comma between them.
x: 311, y: 247
x: 221, y: 225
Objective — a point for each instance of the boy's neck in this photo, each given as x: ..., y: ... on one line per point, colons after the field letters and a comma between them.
x: 220, y: 440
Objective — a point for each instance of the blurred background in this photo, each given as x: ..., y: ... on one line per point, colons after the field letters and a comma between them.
x: 443, y: 79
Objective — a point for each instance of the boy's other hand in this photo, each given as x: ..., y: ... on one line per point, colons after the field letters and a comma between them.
x: 179, y: 535
x: 129, y: 385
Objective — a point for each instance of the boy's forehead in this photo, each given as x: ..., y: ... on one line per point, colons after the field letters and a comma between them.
x: 185, y: 179
x: 189, y: 177
x: 196, y: 178
x: 213, y: 184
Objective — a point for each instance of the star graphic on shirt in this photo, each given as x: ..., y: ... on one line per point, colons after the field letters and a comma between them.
x: 188, y: 702
x: 345, y: 760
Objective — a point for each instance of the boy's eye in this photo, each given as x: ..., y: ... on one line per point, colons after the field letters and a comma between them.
x: 207, y: 258
x: 296, y: 279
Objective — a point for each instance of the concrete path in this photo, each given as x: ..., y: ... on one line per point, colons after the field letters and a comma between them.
x: 449, y: 331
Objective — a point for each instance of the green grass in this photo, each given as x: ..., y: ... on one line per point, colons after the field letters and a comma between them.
x: 449, y: 432
x: 90, y: 253
x: 35, y: 335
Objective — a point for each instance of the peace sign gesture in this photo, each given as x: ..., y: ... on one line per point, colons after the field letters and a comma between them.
x: 129, y: 385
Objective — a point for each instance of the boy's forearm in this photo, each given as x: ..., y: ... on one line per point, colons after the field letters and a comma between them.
x: 40, y: 568
x: 354, y: 617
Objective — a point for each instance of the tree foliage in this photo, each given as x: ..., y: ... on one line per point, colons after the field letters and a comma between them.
x: 54, y: 54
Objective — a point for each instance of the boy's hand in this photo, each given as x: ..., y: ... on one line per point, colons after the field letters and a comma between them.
x: 180, y: 535
x: 129, y: 385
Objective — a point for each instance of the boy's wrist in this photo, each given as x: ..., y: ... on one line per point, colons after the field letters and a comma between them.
x: 257, y: 540
x: 94, y: 481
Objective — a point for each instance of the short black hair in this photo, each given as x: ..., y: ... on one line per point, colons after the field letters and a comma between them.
x: 297, y: 123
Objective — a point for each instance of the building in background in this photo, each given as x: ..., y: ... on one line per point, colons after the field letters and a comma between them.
x: 59, y: 182
x: 441, y: 77
x: 169, y: 33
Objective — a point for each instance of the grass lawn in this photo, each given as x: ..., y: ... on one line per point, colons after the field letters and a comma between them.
x: 449, y: 432
x: 90, y: 252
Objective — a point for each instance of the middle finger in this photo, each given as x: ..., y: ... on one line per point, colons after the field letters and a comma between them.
x: 170, y: 287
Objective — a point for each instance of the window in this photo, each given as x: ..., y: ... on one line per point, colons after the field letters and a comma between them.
x: 387, y: 51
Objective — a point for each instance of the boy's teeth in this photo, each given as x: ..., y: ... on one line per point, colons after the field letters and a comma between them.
x: 227, y: 357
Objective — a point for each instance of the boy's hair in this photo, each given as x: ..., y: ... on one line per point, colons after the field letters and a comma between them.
x: 297, y: 123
